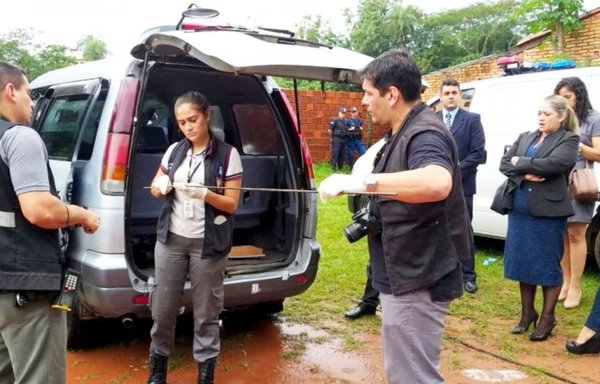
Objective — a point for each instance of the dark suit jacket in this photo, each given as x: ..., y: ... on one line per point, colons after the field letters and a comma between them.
x: 553, y: 161
x: 470, y: 142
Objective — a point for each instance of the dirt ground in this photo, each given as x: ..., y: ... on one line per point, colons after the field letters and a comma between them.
x: 271, y: 351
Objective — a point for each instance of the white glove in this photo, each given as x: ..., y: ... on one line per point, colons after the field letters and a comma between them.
x: 163, y: 184
x: 364, y: 164
x: 195, y: 192
x: 338, y: 183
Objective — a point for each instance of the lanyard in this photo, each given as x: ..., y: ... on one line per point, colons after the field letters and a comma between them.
x: 190, y: 171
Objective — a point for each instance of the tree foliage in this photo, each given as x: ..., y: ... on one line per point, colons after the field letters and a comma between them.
x: 459, y: 35
x: 558, y: 16
x: 92, y: 48
x: 17, y: 47
x: 437, y: 40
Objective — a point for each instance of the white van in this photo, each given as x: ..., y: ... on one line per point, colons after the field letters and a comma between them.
x: 508, y: 106
x: 107, y: 124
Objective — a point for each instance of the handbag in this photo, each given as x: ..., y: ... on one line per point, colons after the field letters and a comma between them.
x: 503, y: 197
x: 583, y: 184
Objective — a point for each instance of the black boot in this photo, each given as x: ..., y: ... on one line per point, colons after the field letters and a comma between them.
x: 206, y: 371
x: 158, y: 369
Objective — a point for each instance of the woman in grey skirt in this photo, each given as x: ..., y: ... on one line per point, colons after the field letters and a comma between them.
x: 575, y: 248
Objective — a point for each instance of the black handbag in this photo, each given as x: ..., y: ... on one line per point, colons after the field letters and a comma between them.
x: 503, y: 197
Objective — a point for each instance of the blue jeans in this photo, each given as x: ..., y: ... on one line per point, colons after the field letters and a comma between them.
x: 351, y: 144
x: 593, y: 320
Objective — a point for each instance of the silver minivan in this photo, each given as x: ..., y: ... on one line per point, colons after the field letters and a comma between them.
x: 106, y: 125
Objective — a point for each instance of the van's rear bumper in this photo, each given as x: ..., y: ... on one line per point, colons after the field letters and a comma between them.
x: 106, y: 290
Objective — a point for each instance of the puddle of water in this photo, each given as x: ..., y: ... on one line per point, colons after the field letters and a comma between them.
x: 326, y: 359
x: 298, y: 329
x: 494, y: 376
x: 330, y: 358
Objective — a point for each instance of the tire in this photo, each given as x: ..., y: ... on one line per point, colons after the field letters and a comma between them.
x: 78, y: 331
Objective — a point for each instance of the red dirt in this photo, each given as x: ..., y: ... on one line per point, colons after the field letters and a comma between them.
x: 270, y: 352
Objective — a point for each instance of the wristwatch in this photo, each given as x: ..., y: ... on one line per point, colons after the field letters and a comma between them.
x: 370, y: 181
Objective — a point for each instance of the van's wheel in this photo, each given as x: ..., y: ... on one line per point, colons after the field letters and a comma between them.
x: 597, y: 249
x: 78, y: 330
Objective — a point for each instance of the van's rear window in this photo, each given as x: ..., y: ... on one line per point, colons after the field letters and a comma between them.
x: 258, y: 129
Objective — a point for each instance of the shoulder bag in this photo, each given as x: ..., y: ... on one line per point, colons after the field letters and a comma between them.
x: 503, y: 197
x: 583, y: 184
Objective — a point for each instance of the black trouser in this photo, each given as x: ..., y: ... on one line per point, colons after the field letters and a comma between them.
x: 338, y: 148
x: 370, y: 298
x: 468, y: 266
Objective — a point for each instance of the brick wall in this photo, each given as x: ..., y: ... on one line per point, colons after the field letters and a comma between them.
x: 583, y: 46
x: 316, y: 111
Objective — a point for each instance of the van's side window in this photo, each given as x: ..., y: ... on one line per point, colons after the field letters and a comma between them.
x: 257, y: 128
x: 88, y: 134
x: 61, y: 125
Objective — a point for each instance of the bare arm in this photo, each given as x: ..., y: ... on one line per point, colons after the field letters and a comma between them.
x: 591, y: 153
x: 228, y: 201
x: 45, y: 210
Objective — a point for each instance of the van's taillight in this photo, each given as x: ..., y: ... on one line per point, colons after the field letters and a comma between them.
x: 114, y: 166
x: 308, y: 163
x: 307, y: 158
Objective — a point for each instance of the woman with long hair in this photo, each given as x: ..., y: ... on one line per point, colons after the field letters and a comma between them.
x: 575, y: 247
x: 194, y: 236
x: 538, y: 164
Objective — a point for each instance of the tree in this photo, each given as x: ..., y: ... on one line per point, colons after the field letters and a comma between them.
x: 369, y: 33
x: 459, y: 35
x: 92, y: 48
x: 558, y: 16
x: 51, y: 57
x: 17, y: 47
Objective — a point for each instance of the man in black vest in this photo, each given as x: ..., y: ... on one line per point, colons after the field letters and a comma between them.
x: 33, y: 337
x: 424, y: 229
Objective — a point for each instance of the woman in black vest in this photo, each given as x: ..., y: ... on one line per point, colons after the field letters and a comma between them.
x: 194, y: 236
x: 539, y: 163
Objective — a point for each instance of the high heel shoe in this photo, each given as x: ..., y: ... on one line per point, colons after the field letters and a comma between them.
x: 591, y: 346
x: 573, y: 299
x: 522, y: 328
x: 537, y: 335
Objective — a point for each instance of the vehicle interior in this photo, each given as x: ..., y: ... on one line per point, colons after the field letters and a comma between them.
x: 267, y: 223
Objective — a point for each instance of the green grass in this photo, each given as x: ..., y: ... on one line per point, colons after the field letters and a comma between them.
x: 341, y: 277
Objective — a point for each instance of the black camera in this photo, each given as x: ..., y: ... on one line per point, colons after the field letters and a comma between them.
x: 363, y: 223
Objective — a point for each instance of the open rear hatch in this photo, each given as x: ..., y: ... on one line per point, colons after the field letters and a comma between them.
x: 229, y: 67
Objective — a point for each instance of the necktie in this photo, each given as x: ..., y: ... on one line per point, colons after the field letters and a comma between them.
x: 448, y: 120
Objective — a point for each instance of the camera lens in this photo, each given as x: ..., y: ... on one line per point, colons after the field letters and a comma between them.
x: 355, y: 231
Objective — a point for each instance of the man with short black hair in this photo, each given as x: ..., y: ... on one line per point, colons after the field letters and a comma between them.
x: 468, y: 133
x: 33, y: 336
x: 424, y: 222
